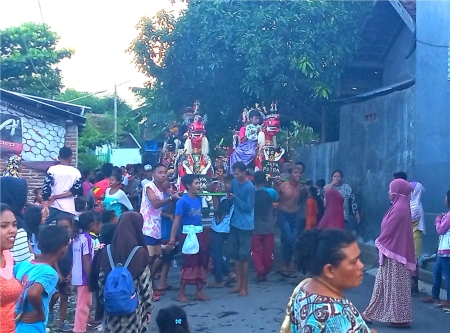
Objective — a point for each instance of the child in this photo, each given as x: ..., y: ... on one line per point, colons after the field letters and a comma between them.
x: 263, y: 238
x: 81, y: 204
x: 220, y: 230
x: 115, y: 197
x: 313, y: 213
x: 95, y: 232
x: 172, y: 320
x: 320, y: 184
x: 64, y: 269
x: 33, y: 220
x: 109, y: 216
x: 246, y: 150
x: 188, y: 213
x: 39, y: 280
x: 442, y: 264
x: 83, y: 253
x: 38, y: 200
x: 162, y: 263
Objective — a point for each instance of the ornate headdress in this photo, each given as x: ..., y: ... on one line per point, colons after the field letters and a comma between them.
x: 246, y: 112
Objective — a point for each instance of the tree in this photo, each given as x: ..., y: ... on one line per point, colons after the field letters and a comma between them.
x: 230, y: 54
x: 99, y: 128
x: 29, y: 59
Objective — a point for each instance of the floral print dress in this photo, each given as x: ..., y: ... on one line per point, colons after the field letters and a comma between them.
x: 313, y: 313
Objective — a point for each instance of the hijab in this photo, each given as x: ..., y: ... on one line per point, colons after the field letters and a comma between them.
x: 334, y: 211
x: 13, y: 192
x: 396, y: 239
x: 13, y: 166
x: 128, y: 235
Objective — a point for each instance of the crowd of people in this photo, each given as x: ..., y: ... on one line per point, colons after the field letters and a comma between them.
x: 111, y: 235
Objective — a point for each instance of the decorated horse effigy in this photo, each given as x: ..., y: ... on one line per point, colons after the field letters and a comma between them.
x: 186, y: 151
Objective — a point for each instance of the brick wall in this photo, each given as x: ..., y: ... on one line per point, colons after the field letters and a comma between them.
x: 35, y: 178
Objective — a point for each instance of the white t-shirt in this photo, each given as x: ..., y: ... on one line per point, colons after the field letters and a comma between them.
x: 62, y: 178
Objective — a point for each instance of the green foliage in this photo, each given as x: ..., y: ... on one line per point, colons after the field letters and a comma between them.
x: 29, y: 58
x: 229, y: 54
x: 99, y: 129
x: 297, y: 135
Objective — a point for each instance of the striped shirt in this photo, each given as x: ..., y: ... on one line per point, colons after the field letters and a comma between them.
x: 21, y: 250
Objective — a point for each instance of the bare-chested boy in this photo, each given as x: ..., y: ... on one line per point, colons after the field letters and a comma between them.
x: 289, y: 193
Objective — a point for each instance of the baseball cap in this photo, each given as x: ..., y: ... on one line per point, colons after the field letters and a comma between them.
x: 148, y: 167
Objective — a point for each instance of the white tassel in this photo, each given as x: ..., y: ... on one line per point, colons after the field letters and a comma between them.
x: 261, y: 139
x: 205, y: 146
x: 188, y: 146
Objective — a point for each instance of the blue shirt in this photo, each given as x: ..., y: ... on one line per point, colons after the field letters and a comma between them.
x: 272, y: 192
x: 244, y: 205
x: 166, y: 224
x: 34, y: 244
x: 190, y: 210
x: 224, y: 225
x: 29, y: 272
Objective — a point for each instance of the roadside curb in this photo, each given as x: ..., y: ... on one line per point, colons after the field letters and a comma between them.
x: 369, y: 256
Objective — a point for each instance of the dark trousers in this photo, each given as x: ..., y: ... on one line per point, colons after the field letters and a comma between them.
x: 289, y: 224
x: 219, y: 261
x: 55, y: 214
x: 442, y: 265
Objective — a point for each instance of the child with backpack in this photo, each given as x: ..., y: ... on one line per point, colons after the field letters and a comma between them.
x: 83, y: 253
x: 38, y: 279
x: 125, y: 289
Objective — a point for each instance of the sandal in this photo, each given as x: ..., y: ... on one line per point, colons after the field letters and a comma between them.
x: 169, y: 287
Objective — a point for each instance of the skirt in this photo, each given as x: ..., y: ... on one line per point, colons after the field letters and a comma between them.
x: 245, y: 152
x: 195, y: 266
x: 391, y: 298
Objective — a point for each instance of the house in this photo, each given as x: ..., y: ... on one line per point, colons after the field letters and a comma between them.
x: 127, y: 152
x: 394, y: 113
x: 36, y: 128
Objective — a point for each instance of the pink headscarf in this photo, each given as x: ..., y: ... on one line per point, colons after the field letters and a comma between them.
x: 334, y: 212
x: 396, y: 240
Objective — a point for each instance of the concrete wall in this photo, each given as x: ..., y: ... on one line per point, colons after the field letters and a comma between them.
x: 432, y: 121
x: 368, y: 153
x: 396, y: 68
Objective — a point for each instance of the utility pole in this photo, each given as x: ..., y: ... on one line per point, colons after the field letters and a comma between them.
x: 115, y: 116
x: 115, y: 111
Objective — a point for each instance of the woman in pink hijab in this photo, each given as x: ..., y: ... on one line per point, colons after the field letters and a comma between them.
x: 334, y: 214
x: 391, y: 298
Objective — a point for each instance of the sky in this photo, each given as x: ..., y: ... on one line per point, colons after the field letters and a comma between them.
x: 98, y: 30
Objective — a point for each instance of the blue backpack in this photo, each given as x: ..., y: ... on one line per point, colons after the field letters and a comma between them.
x: 119, y: 294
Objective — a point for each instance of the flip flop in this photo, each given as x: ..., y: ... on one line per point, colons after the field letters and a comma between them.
x: 156, y: 298
x: 167, y: 288
x: 158, y: 293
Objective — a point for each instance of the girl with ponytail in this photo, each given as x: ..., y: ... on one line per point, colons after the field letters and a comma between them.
x: 172, y: 320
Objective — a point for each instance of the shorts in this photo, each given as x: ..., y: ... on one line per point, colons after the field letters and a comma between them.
x: 64, y: 288
x: 240, y: 243
x: 152, y: 241
x: 167, y: 257
x: 153, y: 246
